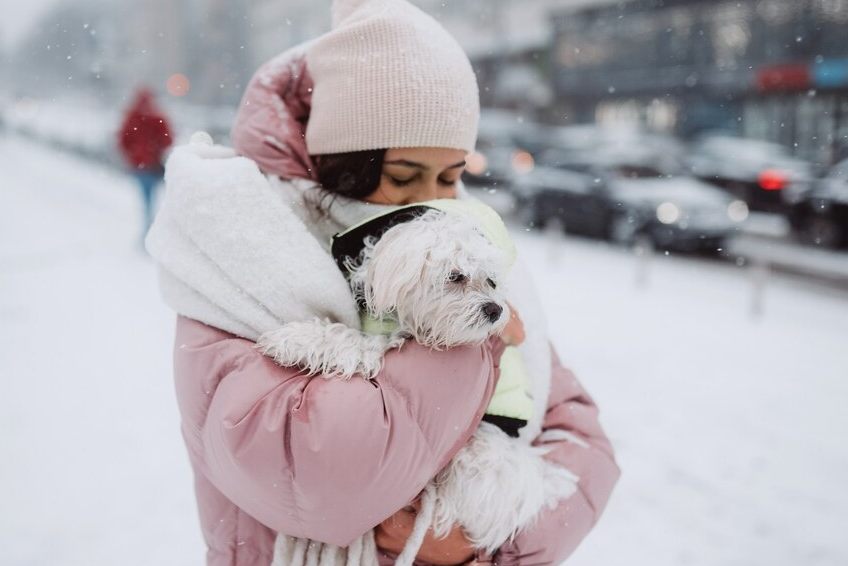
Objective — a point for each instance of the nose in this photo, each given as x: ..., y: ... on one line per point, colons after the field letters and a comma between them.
x: 430, y: 191
x: 433, y: 189
x: 492, y: 311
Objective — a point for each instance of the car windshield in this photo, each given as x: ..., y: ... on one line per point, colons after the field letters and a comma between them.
x: 636, y: 172
x: 745, y: 149
x: 613, y: 166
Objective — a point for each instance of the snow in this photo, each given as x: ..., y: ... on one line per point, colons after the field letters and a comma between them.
x: 730, y: 429
x: 92, y: 467
x: 73, y: 122
x: 769, y: 251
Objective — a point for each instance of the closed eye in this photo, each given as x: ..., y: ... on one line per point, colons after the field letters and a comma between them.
x: 401, y: 182
x: 492, y: 284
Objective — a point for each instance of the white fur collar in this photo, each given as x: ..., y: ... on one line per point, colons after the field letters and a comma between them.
x: 336, y: 213
x: 232, y: 251
x: 535, y: 350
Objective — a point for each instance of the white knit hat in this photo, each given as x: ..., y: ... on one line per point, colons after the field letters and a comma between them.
x: 388, y: 75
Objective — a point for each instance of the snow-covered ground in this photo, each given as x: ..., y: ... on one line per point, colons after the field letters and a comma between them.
x: 731, y: 430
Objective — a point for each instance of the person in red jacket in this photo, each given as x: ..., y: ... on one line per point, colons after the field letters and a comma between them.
x: 143, y: 138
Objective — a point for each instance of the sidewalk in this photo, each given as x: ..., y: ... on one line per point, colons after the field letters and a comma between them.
x: 93, y: 469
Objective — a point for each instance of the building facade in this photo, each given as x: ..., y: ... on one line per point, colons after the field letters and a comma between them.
x: 769, y: 69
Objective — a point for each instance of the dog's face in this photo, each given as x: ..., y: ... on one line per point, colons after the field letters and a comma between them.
x: 439, y: 277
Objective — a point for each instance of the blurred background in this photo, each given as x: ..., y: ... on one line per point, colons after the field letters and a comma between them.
x: 674, y: 172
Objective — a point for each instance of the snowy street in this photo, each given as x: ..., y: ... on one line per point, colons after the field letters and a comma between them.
x: 730, y: 430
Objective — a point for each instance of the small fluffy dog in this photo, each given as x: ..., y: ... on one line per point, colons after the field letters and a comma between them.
x: 437, y: 277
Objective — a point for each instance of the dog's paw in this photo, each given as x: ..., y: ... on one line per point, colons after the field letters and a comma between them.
x: 332, y: 350
x: 372, y: 355
x: 291, y: 344
x: 558, y: 483
x: 397, y: 339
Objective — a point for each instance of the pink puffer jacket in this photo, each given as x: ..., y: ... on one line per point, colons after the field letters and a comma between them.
x: 274, y: 451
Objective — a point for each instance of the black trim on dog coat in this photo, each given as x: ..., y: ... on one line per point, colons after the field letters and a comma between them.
x: 349, y: 244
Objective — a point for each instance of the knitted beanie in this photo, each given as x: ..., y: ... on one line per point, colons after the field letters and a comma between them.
x: 388, y: 75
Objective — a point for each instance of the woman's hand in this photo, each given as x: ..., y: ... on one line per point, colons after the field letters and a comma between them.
x: 513, y: 332
x: 391, y: 535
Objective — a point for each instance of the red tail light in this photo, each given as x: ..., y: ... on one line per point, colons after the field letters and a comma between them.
x: 772, y: 180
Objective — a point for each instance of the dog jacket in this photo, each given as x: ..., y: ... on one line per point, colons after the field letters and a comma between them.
x: 511, y: 406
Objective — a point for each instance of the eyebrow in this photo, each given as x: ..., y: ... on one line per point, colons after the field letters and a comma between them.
x: 416, y: 165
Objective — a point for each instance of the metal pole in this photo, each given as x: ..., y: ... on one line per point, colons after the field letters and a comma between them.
x: 554, y: 231
x: 643, y: 249
x: 759, y: 276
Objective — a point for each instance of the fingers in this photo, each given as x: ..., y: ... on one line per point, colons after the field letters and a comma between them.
x: 393, y: 533
x: 513, y: 313
x: 401, y: 522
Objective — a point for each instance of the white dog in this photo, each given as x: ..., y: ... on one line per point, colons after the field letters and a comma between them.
x: 438, y: 278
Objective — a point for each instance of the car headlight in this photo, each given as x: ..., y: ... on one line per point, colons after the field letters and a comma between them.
x: 522, y: 162
x: 476, y: 163
x: 737, y: 211
x: 668, y: 213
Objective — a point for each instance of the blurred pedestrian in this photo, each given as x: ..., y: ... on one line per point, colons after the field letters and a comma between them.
x: 143, y: 138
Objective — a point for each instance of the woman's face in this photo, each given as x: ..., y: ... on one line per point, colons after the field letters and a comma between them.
x: 417, y: 174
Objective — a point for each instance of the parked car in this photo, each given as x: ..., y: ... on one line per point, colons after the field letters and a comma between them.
x: 595, y: 137
x: 752, y: 170
x: 499, y: 156
x: 819, y: 216
x: 622, y: 194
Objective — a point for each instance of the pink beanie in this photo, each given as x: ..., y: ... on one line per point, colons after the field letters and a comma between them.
x: 388, y: 75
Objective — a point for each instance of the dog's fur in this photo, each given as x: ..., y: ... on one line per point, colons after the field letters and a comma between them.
x: 408, y: 276
x: 438, y: 278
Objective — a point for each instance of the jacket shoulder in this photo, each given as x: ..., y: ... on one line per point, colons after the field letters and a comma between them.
x: 193, y: 333
x: 207, y: 352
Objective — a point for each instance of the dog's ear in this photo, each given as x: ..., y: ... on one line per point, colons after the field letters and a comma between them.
x: 394, y: 266
x: 358, y: 271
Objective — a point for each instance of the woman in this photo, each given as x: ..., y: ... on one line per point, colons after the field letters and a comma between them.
x: 380, y: 111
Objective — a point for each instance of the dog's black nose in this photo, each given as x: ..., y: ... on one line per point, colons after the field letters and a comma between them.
x: 492, y: 311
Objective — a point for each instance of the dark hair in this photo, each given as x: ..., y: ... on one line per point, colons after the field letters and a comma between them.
x: 355, y: 174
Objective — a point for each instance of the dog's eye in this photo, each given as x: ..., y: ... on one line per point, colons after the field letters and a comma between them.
x: 456, y: 278
x: 492, y: 284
